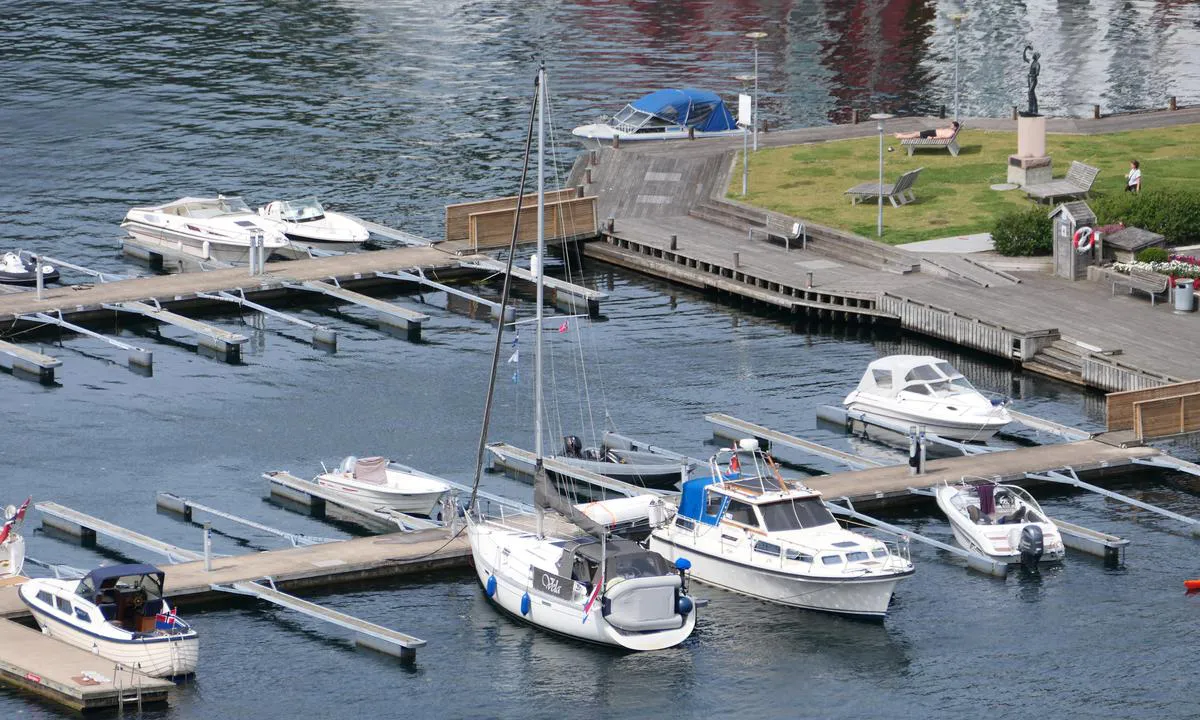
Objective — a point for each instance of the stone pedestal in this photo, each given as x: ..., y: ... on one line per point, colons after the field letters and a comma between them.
x: 1030, y: 165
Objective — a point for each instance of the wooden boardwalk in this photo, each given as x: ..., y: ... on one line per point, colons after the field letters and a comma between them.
x: 1078, y: 332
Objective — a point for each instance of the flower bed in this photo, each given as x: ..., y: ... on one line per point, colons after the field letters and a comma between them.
x: 1184, y: 266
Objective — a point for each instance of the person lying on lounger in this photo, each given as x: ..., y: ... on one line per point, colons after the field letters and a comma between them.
x: 941, y: 133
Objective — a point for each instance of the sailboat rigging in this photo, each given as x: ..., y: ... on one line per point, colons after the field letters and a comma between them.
x: 586, y: 585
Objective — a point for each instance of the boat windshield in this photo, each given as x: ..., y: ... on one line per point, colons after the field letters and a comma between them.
x: 636, y: 565
x: 630, y: 119
x: 303, y: 210
x: 795, y: 514
x: 150, y: 584
x: 233, y: 205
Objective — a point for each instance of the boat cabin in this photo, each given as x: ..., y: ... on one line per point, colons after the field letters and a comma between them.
x: 625, y: 559
x: 300, y: 211
x: 128, y: 596
x: 917, y: 374
x: 668, y: 109
x: 764, y: 504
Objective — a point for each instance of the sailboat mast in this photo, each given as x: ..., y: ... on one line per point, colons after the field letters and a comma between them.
x: 541, y: 263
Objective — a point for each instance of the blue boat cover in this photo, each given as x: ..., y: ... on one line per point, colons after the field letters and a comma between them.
x: 688, y: 107
x: 692, y: 501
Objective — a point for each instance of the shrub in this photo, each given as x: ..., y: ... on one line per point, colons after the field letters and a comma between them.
x: 1024, y: 232
x: 1152, y: 255
x: 1173, y: 214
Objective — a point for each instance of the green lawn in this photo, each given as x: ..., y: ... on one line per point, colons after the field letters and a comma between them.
x: 953, y: 193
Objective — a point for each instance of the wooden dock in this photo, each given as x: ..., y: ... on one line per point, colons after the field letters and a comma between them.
x: 70, y: 676
x: 664, y: 213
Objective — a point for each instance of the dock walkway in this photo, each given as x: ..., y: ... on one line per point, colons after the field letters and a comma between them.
x: 1079, y: 332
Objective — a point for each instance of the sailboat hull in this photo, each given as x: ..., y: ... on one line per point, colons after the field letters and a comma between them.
x: 503, y: 555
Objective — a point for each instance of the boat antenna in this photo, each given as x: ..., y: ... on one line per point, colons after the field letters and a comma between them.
x: 504, y: 294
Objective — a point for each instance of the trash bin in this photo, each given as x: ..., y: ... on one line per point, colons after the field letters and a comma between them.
x: 1185, y: 301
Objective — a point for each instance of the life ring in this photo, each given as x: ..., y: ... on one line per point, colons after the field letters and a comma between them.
x: 1083, y: 239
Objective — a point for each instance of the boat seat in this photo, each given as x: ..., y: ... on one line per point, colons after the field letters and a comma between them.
x: 108, y: 610
x: 976, y: 516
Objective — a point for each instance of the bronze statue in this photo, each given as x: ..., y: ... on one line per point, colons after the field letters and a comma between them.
x: 1035, y: 68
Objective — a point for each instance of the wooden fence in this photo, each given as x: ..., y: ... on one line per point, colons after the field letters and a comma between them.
x: 458, y: 217
x: 1163, y: 417
x: 1122, y: 408
x: 565, y: 220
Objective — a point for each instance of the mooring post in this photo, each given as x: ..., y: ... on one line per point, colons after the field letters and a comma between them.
x: 207, y: 548
x: 616, y: 143
x: 1095, y: 112
x: 674, y: 241
x: 611, y: 224
x: 692, y: 132
x: 853, y: 116
x: 37, y: 261
x: 913, y: 460
x: 1014, y: 112
x: 587, y: 176
x: 942, y: 112
x: 1171, y: 103
x: 736, y: 260
x: 921, y: 451
x: 810, y: 275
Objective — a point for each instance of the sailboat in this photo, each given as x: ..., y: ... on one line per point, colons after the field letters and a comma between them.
x: 581, y: 583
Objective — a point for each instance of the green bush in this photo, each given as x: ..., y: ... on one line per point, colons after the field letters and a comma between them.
x: 1173, y: 214
x: 1024, y: 232
x: 1152, y: 254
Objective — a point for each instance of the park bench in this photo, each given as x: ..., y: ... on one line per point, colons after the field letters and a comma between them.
x: 1145, y: 280
x: 902, y: 190
x: 950, y: 143
x: 777, y: 226
x: 1077, y: 183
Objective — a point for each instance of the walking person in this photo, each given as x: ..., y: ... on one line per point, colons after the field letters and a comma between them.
x: 1133, y: 179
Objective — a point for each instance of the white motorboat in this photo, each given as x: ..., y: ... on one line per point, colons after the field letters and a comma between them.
x: 635, y: 467
x: 396, y: 486
x: 12, y: 544
x: 307, y: 221
x: 1003, y: 522
x: 747, y: 529
x: 593, y: 588
x: 669, y: 114
x: 926, y: 391
x: 18, y: 268
x: 117, y: 612
x: 220, y: 228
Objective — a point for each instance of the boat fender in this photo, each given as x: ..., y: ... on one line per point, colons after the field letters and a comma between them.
x: 684, y: 605
x: 683, y: 564
x: 491, y: 586
x: 1083, y: 239
x: 525, y: 604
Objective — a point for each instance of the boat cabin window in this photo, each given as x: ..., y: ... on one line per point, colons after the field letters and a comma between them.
x: 713, y: 505
x: 233, y: 205
x: 797, y: 555
x: 636, y: 565
x: 879, y: 552
x: 857, y: 556
x: 45, y: 597
x: 741, y: 512
x: 919, y: 389
x: 923, y: 372
x: 831, y: 559
x: 795, y: 514
x: 82, y: 615
x: 883, y: 379
x: 63, y: 604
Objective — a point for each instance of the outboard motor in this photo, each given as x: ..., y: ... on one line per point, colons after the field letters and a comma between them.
x: 572, y: 446
x: 1031, y: 546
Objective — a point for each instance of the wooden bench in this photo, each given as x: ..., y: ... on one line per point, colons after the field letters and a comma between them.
x: 777, y: 226
x: 950, y: 143
x: 902, y: 190
x: 1077, y: 183
x: 1145, y: 280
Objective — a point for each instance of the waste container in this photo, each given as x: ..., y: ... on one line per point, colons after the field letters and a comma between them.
x: 1184, y: 299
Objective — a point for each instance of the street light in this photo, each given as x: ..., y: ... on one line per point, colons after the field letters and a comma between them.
x: 957, y: 17
x: 755, y: 37
x: 745, y: 80
x: 880, y: 117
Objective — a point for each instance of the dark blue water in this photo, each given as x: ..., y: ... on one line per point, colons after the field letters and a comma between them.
x: 392, y: 110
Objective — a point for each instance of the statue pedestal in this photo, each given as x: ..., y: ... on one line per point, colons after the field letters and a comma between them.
x: 1031, y: 165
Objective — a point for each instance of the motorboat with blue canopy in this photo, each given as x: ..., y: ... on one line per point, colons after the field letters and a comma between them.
x: 669, y: 114
x: 117, y: 612
x: 747, y: 529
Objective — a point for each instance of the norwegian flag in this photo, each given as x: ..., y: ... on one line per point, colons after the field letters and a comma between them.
x: 592, y: 600
x: 5, y: 530
x: 165, y: 621
x: 21, y: 510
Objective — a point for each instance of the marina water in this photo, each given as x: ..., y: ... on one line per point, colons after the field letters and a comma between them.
x: 390, y: 111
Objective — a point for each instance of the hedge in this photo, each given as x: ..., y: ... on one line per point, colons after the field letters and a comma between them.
x: 1173, y: 214
x: 1024, y: 232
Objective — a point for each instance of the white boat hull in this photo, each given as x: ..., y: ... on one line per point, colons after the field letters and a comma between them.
x: 157, y: 657
x: 981, y: 428
x: 998, y: 542
x: 863, y: 597
x: 12, y: 556
x: 602, y: 133
x: 424, y: 503
x: 196, y: 246
x: 549, y: 612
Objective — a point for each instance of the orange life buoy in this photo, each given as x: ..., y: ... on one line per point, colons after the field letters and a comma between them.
x: 1083, y: 239
x: 735, y: 465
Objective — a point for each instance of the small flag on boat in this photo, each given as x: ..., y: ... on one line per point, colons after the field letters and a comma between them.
x: 563, y: 328
x: 516, y: 338
x: 165, y: 621
x: 21, y: 510
x: 516, y: 356
x: 5, y: 530
x: 592, y: 600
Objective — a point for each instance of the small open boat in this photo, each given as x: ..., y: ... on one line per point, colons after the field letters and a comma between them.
x: 117, y: 612
x: 396, y: 486
x: 1003, y: 522
x: 18, y: 268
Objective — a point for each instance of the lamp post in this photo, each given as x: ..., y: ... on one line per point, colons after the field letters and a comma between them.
x: 880, y: 117
x: 957, y: 17
x: 745, y: 80
x: 755, y: 37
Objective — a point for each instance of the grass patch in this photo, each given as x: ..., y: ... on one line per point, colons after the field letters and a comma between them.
x: 953, y: 193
